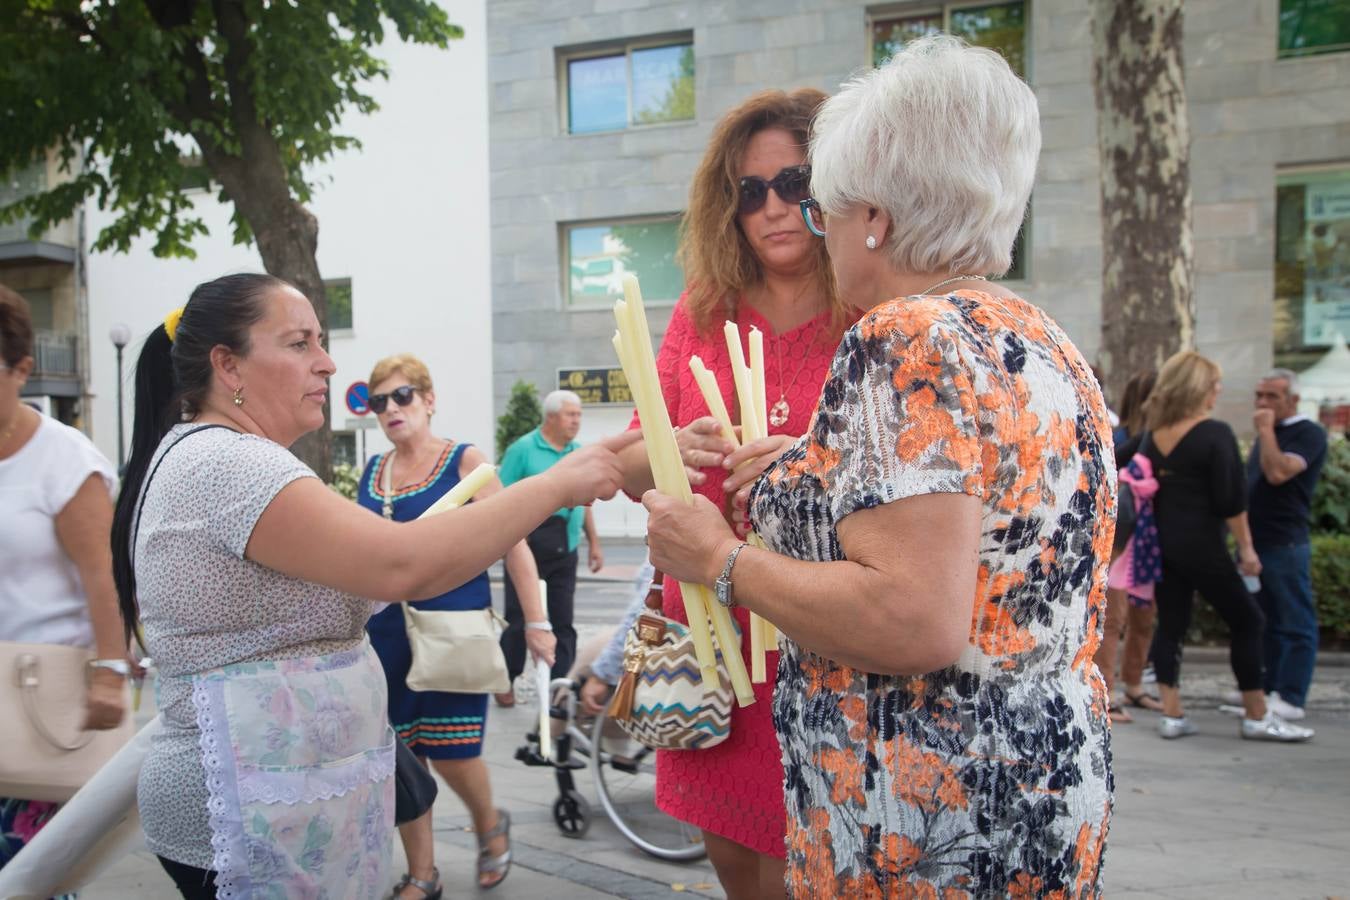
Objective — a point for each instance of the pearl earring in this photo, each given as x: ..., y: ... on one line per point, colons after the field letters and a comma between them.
x: 238, y: 396
x: 871, y: 242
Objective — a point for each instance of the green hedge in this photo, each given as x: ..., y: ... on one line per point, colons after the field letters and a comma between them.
x: 1331, y: 593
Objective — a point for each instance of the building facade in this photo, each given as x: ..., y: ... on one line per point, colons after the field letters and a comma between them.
x: 49, y: 272
x: 600, y: 111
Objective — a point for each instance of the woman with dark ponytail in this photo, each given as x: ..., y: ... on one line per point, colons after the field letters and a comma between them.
x: 254, y: 581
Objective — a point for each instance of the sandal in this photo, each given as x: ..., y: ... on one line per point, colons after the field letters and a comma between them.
x: 431, y: 890
x: 491, y: 865
x: 1144, y: 701
x: 1119, y: 714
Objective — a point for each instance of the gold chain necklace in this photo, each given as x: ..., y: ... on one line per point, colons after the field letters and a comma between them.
x: 946, y: 281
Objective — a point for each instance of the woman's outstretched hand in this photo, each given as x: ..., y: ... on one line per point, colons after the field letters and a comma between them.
x: 687, y: 542
x: 592, y: 472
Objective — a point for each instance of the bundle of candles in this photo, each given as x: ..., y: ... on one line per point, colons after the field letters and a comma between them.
x: 633, y: 345
x: 749, y: 381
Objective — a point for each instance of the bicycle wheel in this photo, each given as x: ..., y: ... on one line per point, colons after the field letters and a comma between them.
x: 625, y: 779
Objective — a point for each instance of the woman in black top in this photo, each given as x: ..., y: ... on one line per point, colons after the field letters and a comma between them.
x: 1202, y: 494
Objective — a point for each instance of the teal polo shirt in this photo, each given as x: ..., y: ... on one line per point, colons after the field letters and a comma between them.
x: 531, y: 455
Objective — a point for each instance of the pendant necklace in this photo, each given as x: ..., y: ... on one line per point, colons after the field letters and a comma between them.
x: 779, y: 412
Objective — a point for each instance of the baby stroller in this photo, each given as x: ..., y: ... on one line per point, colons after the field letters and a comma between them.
x: 624, y: 772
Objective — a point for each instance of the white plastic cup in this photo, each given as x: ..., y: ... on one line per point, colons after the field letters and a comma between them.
x: 1253, y: 582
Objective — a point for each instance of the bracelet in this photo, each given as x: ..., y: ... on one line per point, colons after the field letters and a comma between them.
x: 120, y: 666
x: 539, y: 626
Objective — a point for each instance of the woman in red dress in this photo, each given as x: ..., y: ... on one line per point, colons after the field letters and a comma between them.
x: 749, y: 258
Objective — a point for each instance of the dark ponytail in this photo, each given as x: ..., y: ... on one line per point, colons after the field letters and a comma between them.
x: 173, y: 381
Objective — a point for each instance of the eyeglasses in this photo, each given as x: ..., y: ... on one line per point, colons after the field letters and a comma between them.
x: 400, y: 395
x: 815, y: 218
x: 792, y: 185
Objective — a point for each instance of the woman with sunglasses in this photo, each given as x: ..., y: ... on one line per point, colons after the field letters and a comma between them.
x: 273, y: 771
x: 748, y: 257
x: 445, y: 728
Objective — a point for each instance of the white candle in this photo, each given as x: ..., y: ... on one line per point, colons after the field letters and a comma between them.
x: 712, y: 395
x: 463, y: 492
x: 639, y: 361
x: 757, y: 382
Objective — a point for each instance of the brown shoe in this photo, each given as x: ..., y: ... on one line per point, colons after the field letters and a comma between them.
x: 507, y: 699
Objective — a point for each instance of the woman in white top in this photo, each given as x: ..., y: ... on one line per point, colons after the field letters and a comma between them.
x: 56, y: 582
x: 254, y: 581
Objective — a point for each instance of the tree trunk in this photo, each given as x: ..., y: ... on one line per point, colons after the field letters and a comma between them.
x: 254, y: 178
x: 1148, y: 303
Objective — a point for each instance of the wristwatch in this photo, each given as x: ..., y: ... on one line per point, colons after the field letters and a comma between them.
x: 120, y: 666
x: 722, y: 587
x: 539, y: 626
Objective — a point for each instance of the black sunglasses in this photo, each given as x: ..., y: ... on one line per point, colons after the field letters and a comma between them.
x: 792, y: 185
x: 401, y: 395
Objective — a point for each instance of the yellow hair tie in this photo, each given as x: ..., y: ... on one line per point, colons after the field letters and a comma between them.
x: 171, y: 323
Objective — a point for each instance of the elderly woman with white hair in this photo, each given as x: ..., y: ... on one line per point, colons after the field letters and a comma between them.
x: 938, y: 541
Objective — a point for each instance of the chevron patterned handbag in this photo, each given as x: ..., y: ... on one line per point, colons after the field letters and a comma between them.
x: 661, y: 700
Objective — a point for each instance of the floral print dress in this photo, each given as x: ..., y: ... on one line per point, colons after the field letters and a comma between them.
x: 990, y: 777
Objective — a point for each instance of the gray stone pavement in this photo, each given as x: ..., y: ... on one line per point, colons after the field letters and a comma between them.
x: 1207, y: 816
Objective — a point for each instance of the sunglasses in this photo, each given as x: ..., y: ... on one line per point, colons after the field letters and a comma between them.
x: 815, y: 218
x: 400, y: 395
x: 792, y: 185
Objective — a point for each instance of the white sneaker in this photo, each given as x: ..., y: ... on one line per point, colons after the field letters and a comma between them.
x: 1285, y: 710
x: 1171, y: 728
x: 1232, y: 698
x: 1273, y: 728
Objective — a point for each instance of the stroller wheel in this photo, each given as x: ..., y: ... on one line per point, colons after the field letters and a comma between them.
x: 572, y: 814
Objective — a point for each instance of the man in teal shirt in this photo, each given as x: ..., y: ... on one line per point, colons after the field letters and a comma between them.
x: 554, y: 543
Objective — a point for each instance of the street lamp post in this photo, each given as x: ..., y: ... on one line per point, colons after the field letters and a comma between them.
x: 121, y: 336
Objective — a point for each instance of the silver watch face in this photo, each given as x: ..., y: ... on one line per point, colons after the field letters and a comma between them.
x: 722, y: 588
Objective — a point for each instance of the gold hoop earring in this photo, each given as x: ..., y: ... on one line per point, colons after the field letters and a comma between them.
x: 238, y: 396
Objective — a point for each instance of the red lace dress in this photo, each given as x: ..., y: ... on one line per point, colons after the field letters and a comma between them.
x: 736, y: 788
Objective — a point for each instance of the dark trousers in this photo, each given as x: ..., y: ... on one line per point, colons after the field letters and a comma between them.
x: 558, y: 569
x: 1291, y: 620
x: 192, y: 883
x: 1215, y: 576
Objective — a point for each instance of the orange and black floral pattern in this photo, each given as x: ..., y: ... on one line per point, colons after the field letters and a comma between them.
x: 991, y: 777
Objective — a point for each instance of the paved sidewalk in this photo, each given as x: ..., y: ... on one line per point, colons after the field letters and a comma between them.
x: 1207, y: 816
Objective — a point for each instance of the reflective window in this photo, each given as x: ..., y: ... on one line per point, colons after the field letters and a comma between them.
x: 339, y: 293
x: 1314, y: 26
x: 599, y: 254
x: 1312, y: 263
x: 633, y: 85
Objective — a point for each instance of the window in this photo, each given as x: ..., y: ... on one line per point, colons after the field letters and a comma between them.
x: 634, y: 84
x: 339, y: 293
x: 998, y: 26
x: 344, y: 448
x: 596, y: 256
x: 1314, y: 26
x: 1312, y: 263
x: 40, y: 308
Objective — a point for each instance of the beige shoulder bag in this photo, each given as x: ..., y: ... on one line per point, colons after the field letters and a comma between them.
x: 454, y: 650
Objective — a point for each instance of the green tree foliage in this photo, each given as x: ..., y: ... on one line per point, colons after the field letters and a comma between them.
x: 523, y: 414
x: 1331, y: 500
x: 144, y: 90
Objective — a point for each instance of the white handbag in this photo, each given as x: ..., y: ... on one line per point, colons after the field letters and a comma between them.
x: 48, y: 754
x: 456, y: 651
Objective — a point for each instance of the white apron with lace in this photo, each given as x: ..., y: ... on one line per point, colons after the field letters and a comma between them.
x: 299, y: 760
